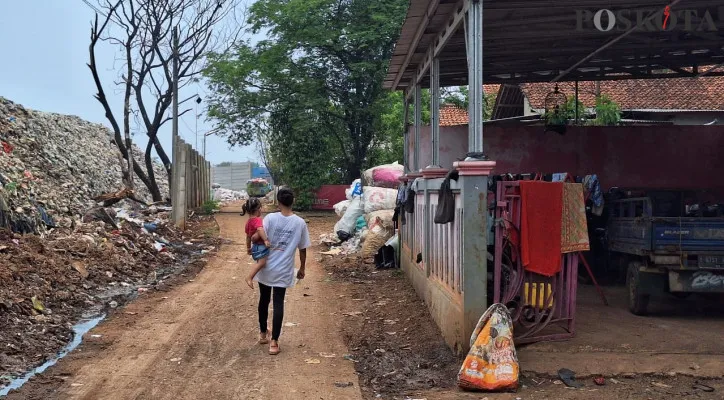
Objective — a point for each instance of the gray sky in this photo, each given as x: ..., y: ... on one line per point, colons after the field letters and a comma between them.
x: 44, y: 44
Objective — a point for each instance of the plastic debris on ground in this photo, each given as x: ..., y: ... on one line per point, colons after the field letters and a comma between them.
x: 52, y: 166
x: 224, y: 196
x: 63, y: 255
x: 365, y: 222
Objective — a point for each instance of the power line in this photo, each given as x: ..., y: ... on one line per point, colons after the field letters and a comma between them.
x: 94, y: 8
x: 187, y: 124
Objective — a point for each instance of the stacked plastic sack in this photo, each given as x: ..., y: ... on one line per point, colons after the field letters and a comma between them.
x: 366, y: 215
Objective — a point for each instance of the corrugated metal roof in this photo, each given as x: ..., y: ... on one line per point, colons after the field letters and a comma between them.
x: 535, y: 40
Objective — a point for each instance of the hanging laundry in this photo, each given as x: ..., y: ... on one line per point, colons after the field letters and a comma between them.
x: 489, y: 228
x: 401, y: 193
x: 399, y: 215
x: 574, y: 227
x: 542, y: 207
x: 409, y: 202
x: 445, y: 212
x: 593, y: 190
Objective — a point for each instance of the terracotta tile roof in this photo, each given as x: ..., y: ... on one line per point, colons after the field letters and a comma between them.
x: 491, y: 89
x: 451, y: 115
x: 701, y: 94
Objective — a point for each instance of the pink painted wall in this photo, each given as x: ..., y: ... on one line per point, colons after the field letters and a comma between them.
x: 683, y: 157
x: 453, y: 145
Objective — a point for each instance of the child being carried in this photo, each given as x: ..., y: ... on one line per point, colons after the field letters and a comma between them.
x: 257, y: 243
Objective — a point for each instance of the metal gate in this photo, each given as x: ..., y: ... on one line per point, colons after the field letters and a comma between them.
x: 543, y: 308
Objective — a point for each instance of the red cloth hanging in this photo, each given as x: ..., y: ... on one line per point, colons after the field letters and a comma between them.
x: 542, y: 207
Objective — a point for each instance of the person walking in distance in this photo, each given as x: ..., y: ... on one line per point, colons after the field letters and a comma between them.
x: 287, y: 232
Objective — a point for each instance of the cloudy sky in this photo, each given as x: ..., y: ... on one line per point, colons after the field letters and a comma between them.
x: 44, y: 45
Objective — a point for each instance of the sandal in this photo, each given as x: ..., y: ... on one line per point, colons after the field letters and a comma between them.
x: 274, y: 349
x: 263, y: 338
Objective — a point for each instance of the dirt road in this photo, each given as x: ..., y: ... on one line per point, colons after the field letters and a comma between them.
x: 199, y: 341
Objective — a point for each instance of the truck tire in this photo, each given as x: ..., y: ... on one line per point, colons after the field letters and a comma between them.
x: 637, y: 302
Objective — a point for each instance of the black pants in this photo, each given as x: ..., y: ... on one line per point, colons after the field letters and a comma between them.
x: 265, y: 294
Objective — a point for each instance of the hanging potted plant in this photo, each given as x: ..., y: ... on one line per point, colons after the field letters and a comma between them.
x: 556, y: 113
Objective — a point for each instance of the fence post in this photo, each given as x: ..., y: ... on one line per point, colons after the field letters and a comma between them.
x: 196, y: 179
x: 203, y: 179
x: 191, y: 180
x: 201, y: 185
x: 180, y: 211
x: 209, y: 179
x: 205, y: 191
x: 474, y: 249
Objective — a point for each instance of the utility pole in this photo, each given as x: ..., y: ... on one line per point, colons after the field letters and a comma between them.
x: 207, y: 134
x: 176, y: 202
x: 196, y: 128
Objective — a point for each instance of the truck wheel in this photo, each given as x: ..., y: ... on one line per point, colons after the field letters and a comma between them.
x: 637, y: 302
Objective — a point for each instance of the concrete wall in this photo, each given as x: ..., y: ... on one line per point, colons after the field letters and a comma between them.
x: 682, y: 157
x: 232, y: 177
x: 445, y: 307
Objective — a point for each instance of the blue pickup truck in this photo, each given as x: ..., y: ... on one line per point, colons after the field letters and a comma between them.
x: 666, y: 247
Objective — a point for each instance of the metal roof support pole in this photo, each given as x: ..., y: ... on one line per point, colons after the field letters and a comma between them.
x: 473, y: 184
x: 474, y: 43
x: 418, y: 124
x: 435, y: 111
x: 406, y: 134
x: 578, y: 117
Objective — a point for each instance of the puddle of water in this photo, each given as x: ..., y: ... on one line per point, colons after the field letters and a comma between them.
x: 80, y: 329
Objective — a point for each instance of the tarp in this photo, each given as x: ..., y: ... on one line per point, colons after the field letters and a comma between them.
x: 329, y: 195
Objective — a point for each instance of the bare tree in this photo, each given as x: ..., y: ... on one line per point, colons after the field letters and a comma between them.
x: 143, y: 30
x: 262, y: 144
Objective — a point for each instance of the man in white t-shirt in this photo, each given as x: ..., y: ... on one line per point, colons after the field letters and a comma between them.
x: 287, y: 232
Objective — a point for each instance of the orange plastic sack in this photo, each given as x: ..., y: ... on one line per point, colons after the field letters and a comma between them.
x: 492, y: 363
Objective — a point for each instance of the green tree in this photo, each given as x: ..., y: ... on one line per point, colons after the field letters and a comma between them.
x: 389, y: 142
x: 312, y: 92
x: 607, y: 111
x: 567, y: 113
x: 460, y: 98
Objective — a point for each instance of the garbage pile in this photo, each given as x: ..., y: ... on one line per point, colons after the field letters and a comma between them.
x: 85, y: 257
x: 366, y: 217
x: 225, y: 196
x: 52, y: 166
x: 109, y: 257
